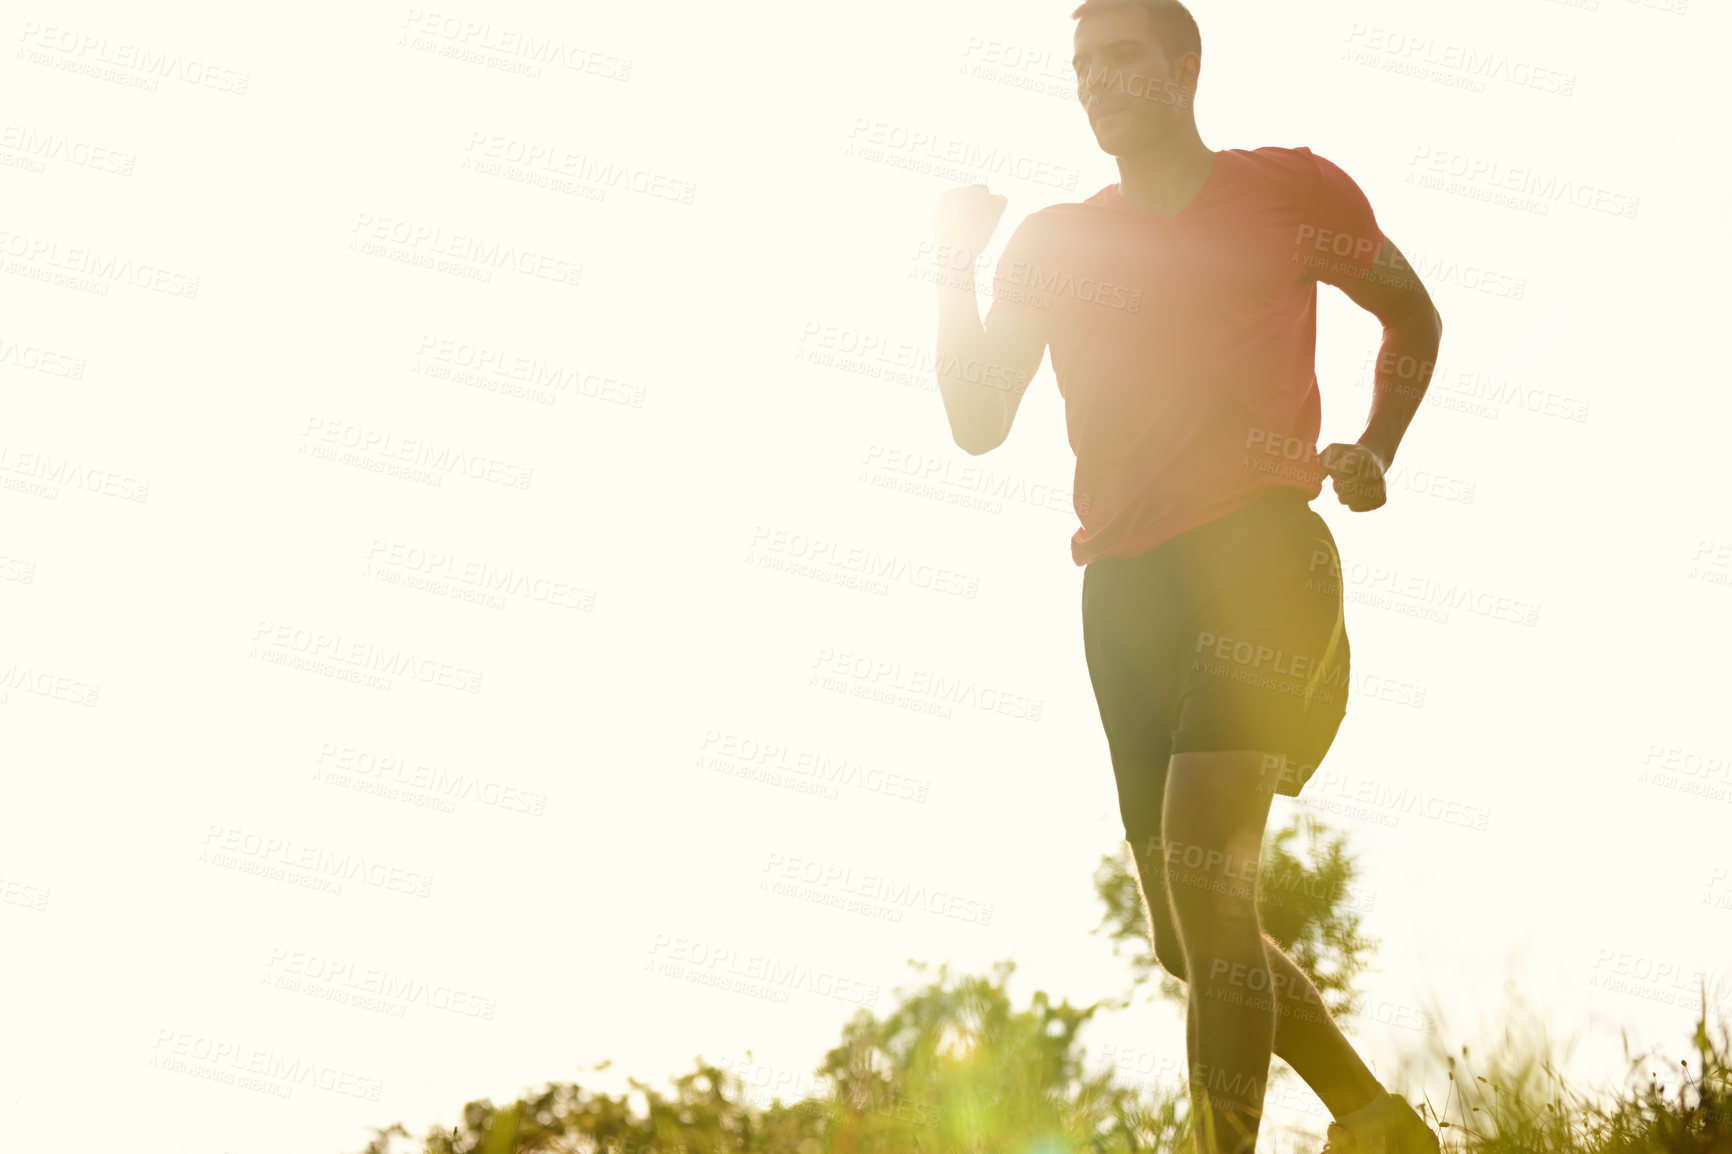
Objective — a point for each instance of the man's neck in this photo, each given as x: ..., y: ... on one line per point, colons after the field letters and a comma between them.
x: 1165, y: 179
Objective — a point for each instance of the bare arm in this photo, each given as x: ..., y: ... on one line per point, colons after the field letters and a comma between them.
x: 1412, y: 332
x: 982, y: 369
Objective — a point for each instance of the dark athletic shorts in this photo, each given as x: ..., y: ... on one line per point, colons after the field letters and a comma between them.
x: 1227, y: 637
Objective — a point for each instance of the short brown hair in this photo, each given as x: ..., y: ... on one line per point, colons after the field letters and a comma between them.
x: 1175, y: 27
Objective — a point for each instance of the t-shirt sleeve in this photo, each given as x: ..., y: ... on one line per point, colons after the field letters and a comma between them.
x: 1338, y: 235
x: 1017, y: 275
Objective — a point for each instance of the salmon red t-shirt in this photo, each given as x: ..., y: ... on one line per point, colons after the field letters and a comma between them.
x: 1184, y: 347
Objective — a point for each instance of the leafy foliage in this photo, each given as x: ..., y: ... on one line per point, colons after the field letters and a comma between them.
x: 955, y: 1068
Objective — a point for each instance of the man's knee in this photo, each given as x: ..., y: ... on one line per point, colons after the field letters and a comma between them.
x: 1207, y: 918
x: 1170, y: 953
x: 1146, y: 851
x: 1212, y: 887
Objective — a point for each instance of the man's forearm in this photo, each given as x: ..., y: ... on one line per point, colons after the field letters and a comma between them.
x: 1404, y: 366
x: 973, y: 398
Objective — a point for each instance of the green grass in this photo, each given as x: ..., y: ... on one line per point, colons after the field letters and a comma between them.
x: 1016, y: 1087
x: 1514, y: 1102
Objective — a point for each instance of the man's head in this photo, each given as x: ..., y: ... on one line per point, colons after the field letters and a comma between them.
x: 1137, y: 63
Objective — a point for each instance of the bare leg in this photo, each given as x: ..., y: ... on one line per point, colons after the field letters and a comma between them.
x: 1213, y: 816
x: 1306, y: 1037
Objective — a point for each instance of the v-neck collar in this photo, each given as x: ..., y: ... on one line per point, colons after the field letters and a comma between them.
x: 1208, y: 182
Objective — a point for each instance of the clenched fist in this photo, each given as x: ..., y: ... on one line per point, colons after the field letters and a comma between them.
x: 1358, y: 476
x: 965, y: 217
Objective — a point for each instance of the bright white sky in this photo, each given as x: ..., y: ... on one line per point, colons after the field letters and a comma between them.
x: 138, y: 948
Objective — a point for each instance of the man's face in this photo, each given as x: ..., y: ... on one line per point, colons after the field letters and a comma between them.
x: 1132, y: 94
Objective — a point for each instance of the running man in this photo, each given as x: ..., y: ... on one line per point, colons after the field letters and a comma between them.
x: 1180, y: 305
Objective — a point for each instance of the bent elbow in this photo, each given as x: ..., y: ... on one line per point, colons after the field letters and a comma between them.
x: 1419, y: 320
x: 975, y: 446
